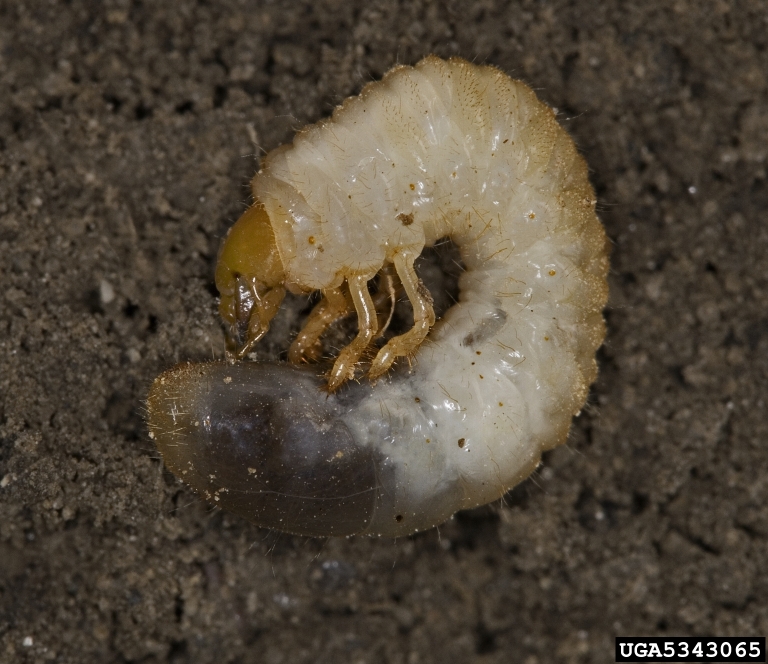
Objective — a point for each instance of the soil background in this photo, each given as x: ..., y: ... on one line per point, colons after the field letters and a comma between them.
x: 127, y: 140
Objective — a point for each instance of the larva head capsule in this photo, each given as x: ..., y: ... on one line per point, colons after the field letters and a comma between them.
x: 249, y: 277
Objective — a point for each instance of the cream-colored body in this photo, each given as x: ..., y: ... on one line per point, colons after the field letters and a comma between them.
x: 451, y: 149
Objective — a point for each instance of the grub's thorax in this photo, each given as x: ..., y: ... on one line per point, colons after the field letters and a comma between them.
x: 252, y: 280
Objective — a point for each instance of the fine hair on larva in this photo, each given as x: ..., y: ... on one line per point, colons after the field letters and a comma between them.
x: 453, y: 413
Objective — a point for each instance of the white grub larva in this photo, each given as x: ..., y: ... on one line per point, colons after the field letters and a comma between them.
x: 441, y: 149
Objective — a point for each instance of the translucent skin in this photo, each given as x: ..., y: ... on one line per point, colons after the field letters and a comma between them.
x: 279, y: 452
x: 442, y: 149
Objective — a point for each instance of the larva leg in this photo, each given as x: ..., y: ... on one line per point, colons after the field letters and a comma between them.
x: 331, y: 308
x: 423, y: 317
x: 386, y: 295
x: 344, y: 368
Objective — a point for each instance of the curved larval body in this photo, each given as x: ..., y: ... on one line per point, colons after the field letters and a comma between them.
x: 442, y: 149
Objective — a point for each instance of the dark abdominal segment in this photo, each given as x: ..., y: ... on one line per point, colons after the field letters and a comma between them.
x: 263, y: 441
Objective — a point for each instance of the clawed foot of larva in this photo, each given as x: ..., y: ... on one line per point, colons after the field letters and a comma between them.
x: 343, y: 369
x: 405, y: 345
x: 382, y: 362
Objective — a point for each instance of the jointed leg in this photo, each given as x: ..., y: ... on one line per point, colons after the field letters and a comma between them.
x: 386, y: 296
x: 344, y: 368
x: 331, y: 308
x: 423, y: 317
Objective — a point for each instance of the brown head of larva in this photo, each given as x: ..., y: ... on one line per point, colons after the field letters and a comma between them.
x: 249, y: 277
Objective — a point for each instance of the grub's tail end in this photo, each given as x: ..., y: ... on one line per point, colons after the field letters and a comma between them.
x: 263, y: 441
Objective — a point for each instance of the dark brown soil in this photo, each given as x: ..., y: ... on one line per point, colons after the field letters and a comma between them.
x: 127, y: 135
